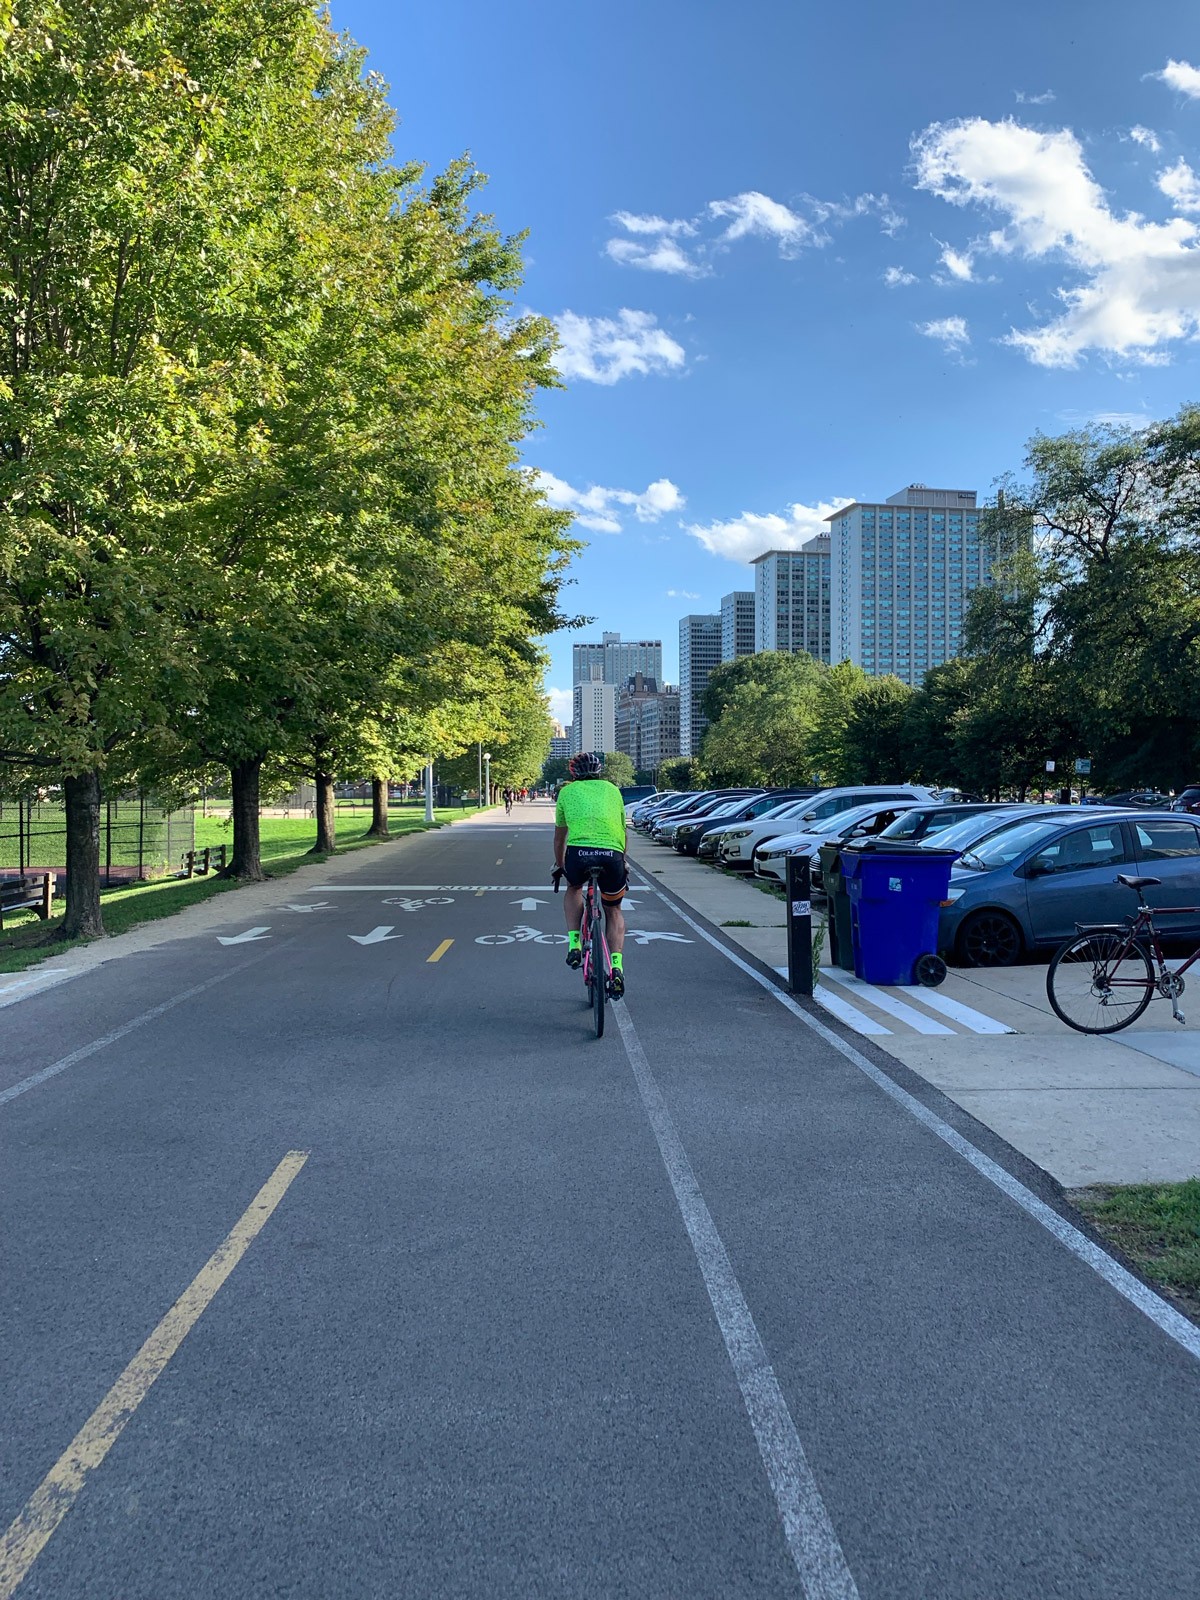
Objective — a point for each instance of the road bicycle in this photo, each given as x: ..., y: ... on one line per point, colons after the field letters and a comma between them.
x: 1105, y: 977
x: 597, y: 963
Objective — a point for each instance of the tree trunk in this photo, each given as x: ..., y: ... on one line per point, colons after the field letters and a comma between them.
x: 326, y: 815
x: 83, y: 919
x: 379, y: 809
x: 247, y: 855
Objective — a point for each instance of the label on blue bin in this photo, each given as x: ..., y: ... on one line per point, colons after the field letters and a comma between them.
x: 895, y: 885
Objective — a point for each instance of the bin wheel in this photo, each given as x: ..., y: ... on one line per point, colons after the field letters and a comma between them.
x: 930, y: 971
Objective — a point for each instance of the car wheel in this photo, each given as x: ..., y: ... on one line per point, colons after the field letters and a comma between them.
x: 990, y: 939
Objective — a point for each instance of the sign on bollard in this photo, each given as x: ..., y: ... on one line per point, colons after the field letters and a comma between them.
x: 799, y: 925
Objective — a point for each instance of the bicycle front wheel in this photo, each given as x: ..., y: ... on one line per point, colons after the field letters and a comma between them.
x: 1098, y: 982
x: 598, y: 974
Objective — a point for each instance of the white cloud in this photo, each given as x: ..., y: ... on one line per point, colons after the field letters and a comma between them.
x: 681, y: 594
x: 1147, y: 137
x: 1141, y: 280
x: 951, y: 332
x: 957, y: 264
x: 601, y: 509
x: 1043, y: 99
x: 742, y: 538
x: 632, y: 222
x: 896, y: 277
x: 605, y: 349
x: 1181, y: 186
x: 562, y: 704
x: 1182, y: 76
x: 757, y: 214
x: 664, y: 255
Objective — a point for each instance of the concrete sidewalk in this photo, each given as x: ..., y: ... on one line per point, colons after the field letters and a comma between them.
x: 1124, y: 1109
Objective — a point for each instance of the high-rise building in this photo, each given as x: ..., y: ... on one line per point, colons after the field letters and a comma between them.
x: 615, y: 660
x: 594, y: 724
x: 699, y: 653
x: 560, y: 746
x: 791, y: 599
x: 902, y: 571
x: 647, y: 722
x: 737, y: 624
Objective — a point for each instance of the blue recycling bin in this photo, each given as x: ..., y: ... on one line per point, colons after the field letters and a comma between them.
x: 896, y: 893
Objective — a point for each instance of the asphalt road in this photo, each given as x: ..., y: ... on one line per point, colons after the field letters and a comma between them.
x: 694, y: 1310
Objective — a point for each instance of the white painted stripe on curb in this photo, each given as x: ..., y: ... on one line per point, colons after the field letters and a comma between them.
x: 844, y: 1011
x: 916, y: 1020
x: 974, y: 1021
x: 810, y: 1536
x: 33, y: 983
x: 1171, y: 1322
x: 87, y: 1050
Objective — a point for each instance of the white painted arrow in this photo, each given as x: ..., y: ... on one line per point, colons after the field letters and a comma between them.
x: 640, y: 937
x: 629, y: 905
x: 528, y: 904
x: 321, y: 905
x: 376, y: 936
x: 244, y: 938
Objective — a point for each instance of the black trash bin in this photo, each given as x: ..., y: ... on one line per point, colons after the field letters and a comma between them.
x: 839, y: 928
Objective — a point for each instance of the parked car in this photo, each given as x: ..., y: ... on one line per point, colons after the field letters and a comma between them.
x: 690, y: 835
x: 861, y: 822
x: 648, y: 813
x: 1137, y: 799
x: 638, y: 791
x: 663, y: 831
x: 684, y: 833
x: 640, y: 808
x: 917, y: 823
x: 736, y: 849
x: 773, y: 803
x: 1026, y: 886
x: 1187, y: 799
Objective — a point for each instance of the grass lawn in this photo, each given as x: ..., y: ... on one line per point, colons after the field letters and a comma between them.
x: 1157, y: 1225
x: 286, y: 843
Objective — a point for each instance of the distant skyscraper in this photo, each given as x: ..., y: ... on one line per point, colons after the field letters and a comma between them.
x: 594, y: 724
x: 737, y: 624
x: 902, y: 572
x: 791, y: 599
x: 647, y: 722
x: 699, y: 653
x: 560, y: 747
x: 615, y: 660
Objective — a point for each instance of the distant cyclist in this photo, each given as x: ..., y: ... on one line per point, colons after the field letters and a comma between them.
x: 508, y: 802
x: 589, y: 830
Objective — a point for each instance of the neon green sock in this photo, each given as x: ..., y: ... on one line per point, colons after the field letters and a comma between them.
x: 573, y: 939
x: 618, y: 960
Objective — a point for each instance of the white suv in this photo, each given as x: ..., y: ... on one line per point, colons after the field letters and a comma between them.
x: 736, y: 847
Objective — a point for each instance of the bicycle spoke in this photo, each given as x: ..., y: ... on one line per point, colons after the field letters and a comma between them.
x: 1100, y: 982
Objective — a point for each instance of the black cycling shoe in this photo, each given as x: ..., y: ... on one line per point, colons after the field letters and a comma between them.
x: 616, y: 984
x: 575, y: 959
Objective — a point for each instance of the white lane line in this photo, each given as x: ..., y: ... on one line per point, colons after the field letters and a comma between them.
x: 87, y: 1050
x: 1164, y: 1316
x: 916, y: 1020
x: 974, y: 1021
x: 810, y: 1536
x: 33, y: 983
x: 430, y: 888
x: 843, y: 1010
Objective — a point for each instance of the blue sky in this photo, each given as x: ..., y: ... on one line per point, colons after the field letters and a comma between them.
x: 895, y: 241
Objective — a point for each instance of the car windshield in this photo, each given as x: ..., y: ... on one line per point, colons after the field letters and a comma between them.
x: 910, y: 823
x: 770, y: 804
x: 1002, y: 848
x: 971, y: 828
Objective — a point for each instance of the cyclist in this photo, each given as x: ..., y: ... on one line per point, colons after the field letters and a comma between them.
x: 589, y: 830
x: 508, y: 802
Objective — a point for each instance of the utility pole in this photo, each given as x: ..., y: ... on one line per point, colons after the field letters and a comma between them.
x: 481, y: 772
x: 429, y: 791
x: 487, y: 780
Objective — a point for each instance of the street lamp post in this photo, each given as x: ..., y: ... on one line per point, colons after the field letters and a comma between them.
x: 429, y: 791
x: 487, y: 777
x: 480, y: 789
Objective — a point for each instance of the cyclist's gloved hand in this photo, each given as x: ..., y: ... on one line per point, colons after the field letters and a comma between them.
x: 556, y: 873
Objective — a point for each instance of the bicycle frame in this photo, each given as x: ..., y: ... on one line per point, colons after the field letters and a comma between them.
x: 593, y: 910
x: 1143, y: 930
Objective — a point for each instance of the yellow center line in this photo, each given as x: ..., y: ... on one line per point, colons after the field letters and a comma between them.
x: 59, y: 1489
x: 499, y: 861
x: 479, y: 893
x: 436, y: 956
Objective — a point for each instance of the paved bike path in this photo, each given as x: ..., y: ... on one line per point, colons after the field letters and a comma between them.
x: 472, y: 1352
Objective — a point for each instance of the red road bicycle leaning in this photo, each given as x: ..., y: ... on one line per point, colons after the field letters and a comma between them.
x: 1105, y: 977
x: 597, y: 963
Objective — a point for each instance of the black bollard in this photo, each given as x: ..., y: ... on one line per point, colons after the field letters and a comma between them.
x: 799, y: 925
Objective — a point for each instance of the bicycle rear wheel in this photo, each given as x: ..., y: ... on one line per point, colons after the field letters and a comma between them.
x: 599, y: 975
x: 1097, y: 983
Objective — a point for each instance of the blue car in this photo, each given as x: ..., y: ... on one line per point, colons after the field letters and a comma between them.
x: 1024, y: 887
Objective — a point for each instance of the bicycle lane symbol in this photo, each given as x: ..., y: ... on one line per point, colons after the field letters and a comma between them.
x: 521, y: 935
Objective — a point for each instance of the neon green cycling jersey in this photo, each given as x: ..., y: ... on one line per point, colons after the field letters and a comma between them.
x: 593, y: 813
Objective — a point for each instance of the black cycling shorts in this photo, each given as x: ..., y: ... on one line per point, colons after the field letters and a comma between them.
x: 613, y: 878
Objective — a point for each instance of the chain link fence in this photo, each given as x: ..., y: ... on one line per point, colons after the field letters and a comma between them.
x: 139, y: 837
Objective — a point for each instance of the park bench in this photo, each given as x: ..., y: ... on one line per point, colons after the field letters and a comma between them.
x: 27, y: 894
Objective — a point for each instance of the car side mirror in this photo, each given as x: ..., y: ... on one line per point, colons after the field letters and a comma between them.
x: 1039, y: 867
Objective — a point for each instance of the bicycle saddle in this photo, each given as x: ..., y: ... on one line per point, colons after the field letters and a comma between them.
x: 1131, y: 882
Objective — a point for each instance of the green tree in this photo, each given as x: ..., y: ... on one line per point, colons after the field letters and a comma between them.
x: 875, y: 742
x: 837, y: 692
x: 555, y: 771
x: 618, y: 768
x: 680, y: 773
